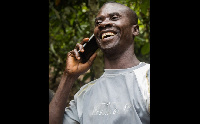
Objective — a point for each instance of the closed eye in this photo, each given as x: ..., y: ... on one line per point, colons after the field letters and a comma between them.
x: 114, y: 18
x: 97, y: 22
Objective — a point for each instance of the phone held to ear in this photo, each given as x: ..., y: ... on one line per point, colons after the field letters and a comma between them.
x: 89, y: 49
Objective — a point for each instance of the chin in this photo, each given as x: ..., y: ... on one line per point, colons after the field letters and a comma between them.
x: 110, y: 48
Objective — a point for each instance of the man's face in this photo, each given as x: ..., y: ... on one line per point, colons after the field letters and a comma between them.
x: 112, y: 27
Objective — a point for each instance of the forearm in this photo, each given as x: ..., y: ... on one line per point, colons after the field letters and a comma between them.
x: 58, y: 103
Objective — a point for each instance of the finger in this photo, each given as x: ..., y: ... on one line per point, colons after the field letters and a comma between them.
x: 79, y: 47
x: 92, y: 58
x: 85, y: 40
x: 71, y: 53
x: 76, y: 54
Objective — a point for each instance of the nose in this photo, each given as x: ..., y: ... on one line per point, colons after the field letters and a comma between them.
x: 106, y: 23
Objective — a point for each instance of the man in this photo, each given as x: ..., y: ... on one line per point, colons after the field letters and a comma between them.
x: 121, y: 94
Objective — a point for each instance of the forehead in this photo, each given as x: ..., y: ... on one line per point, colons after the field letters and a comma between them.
x: 112, y: 8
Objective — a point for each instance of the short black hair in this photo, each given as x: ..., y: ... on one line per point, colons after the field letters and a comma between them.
x: 133, y: 15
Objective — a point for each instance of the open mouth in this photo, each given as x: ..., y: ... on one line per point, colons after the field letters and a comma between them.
x: 106, y: 35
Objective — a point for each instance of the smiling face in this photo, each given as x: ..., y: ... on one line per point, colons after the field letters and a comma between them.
x: 114, y: 27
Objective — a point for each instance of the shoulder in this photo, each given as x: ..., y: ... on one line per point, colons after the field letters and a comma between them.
x: 85, y: 88
x: 143, y: 69
x: 143, y: 78
x: 143, y: 73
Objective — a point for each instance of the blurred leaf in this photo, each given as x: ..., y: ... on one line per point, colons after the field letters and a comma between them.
x: 145, y: 49
x: 57, y: 2
x: 67, y: 10
x: 87, y: 75
x: 144, y: 6
x: 139, y: 39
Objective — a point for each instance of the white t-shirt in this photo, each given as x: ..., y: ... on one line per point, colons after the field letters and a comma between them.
x: 119, y: 96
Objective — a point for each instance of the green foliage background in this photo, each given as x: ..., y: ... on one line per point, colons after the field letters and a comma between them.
x: 70, y: 22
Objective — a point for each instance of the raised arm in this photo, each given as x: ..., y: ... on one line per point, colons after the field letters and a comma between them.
x: 72, y: 71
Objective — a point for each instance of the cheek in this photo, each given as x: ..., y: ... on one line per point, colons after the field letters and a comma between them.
x: 126, y: 34
x: 96, y: 32
x: 123, y: 25
x: 126, y: 28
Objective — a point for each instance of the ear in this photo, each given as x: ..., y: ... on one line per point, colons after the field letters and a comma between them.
x: 135, y: 30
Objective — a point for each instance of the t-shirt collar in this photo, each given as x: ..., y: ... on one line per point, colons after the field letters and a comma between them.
x: 119, y: 71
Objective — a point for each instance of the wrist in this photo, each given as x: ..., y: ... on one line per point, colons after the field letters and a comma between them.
x: 69, y: 77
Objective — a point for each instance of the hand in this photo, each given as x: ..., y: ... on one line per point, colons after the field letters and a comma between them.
x: 73, y: 63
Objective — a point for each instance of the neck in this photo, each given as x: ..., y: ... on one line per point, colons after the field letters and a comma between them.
x: 126, y: 59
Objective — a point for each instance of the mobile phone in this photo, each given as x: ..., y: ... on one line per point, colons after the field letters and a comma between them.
x: 89, y: 49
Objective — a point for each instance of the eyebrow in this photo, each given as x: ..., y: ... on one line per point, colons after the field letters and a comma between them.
x: 114, y: 13
x: 110, y: 14
x: 98, y: 18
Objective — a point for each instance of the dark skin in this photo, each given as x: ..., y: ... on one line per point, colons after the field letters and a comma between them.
x: 113, y: 20
x: 118, y: 49
x: 72, y: 71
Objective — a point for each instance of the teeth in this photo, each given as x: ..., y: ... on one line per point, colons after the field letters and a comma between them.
x: 108, y: 33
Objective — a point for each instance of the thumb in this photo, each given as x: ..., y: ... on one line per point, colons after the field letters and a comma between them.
x: 84, y: 67
x: 88, y: 64
x: 91, y: 60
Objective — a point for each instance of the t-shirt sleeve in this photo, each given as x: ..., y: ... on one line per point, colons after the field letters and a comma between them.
x: 143, y: 78
x: 148, y: 82
x: 70, y: 114
x: 73, y: 113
